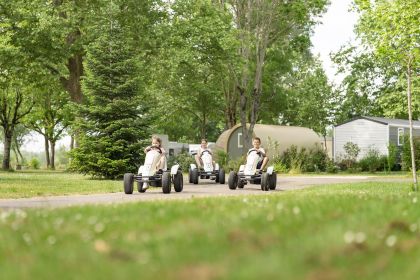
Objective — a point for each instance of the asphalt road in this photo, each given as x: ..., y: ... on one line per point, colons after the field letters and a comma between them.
x: 205, y: 188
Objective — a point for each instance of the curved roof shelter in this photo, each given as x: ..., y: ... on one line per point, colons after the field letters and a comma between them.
x: 274, y: 138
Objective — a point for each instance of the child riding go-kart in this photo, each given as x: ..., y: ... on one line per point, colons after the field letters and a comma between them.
x: 154, y: 172
x: 252, y: 171
x: 208, y: 171
x: 207, y: 168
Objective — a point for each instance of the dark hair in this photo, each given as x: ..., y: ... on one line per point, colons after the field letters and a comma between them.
x: 204, y: 139
x: 257, y: 138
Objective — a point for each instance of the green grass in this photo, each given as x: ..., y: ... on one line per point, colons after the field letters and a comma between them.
x: 45, y: 183
x: 349, y: 231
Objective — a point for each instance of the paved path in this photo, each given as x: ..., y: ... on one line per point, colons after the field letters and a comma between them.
x: 205, y: 188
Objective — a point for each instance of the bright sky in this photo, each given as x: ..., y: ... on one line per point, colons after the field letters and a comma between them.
x: 336, y: 30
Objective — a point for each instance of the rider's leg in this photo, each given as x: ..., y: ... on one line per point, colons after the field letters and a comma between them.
x: 198, y: 160
x: 162, y: 163
x: 264, y: 163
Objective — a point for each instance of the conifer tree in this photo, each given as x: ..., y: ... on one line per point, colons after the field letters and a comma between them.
x: 114, y: 113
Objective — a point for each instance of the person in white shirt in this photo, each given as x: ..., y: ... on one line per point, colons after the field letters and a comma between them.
x: 262, y: 162
x: 203, y: 147
x: 157, y: 144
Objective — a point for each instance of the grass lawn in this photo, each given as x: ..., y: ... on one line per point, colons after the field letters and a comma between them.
x: 348, y: 231
x: 44, y: 183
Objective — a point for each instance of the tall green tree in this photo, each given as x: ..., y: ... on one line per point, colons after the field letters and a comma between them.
x: 114, y: 113
x: 260, y: 25
x: 392, y: 29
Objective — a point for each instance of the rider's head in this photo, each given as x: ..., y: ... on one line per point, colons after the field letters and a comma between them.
x: 256, y: 142
x: 204, y: 143
x: 156, y: 141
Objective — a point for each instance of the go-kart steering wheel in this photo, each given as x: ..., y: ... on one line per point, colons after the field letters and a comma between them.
x: 258, y: 152
x: 156, y: 147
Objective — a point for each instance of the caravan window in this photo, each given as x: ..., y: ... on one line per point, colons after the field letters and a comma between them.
x: 240, y: 140
x: 400, y: 136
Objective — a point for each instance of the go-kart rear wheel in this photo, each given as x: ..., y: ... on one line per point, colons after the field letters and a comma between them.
x: 233, y: 180
x: 140, y: 187
x: 222, y: 176
x: 128, y: 183
x: 194, y: 175
x: 265, y: 182
x: 178, y: 181
x: 190, y: 178
x: 273, y: 181
x: 166, y: 182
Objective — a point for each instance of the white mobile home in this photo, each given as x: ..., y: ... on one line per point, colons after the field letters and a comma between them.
x: 369, y: 132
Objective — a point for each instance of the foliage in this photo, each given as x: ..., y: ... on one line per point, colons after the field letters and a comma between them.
x: 392, y: 156
x: 115, y: 120
x: 296, y: 160
x: 34, y: 163
x: 184, y: 159
x: 351, y: 152
x: 406, y: 153
x: 222, y: 158
x: 371, y: 161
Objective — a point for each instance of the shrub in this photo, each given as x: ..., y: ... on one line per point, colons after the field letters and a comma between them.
x: 371, y: 161
x: 234, y: 164
x: 315, y: 160
x: 184, y: 159
x: 392, y: 156
x: 34, y: 163
x: 222, y: 158
x: 331, y: 167
x: 406, y: 153
x: 351, y: 152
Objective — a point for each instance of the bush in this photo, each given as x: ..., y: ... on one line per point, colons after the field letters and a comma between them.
x: 351, y: 152
x: 34, y: 163
x: 406, y: 153
x: 184, y: 159
x: 391, y: 158
x: 371, y: 161
x: 315, y: 161
x: 222, y: 158
x: 233, y: 165
x: 331, y: 167
x: 298, y: 161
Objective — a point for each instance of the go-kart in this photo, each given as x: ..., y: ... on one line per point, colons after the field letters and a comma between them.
x: 250, y: 173
x: 208, y: 171
x: 148, y: 174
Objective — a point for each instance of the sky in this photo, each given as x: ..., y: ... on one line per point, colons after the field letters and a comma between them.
x: 335, y: 30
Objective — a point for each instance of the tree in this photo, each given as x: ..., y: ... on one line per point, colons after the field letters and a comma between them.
x: 50, y: 118
x: 114, y: 114
x: 260, y: 24
x: 391, y: 28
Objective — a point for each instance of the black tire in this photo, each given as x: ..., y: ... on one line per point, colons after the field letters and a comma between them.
x: 241, y: 184
x: 140, y: 187
x: 233, y: 180
x: 128, y: 183
x: 190, y: 179
x: 194, y: 174
x: 222, y: 176
x: 166, y: 182
x: 178, y: 181
x: 273, y: 181
x: 265, y: 182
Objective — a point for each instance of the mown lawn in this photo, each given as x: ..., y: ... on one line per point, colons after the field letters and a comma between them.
x: 348, y: 231
x: 45, y: 183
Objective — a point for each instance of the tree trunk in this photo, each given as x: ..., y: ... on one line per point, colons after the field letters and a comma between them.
x: 52, y: 147
x: 47, y: 151
x: 8, y: 135
x: 410, y: 119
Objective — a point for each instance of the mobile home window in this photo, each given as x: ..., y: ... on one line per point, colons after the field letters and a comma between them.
x: 400, y: 136
x: 240, y: 140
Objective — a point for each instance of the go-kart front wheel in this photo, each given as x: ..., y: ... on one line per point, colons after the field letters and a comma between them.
x: 128, y: 183
x: 265, y: 181
x: 221, y: 176
x: 140, y: 187
x: 232, y: 180
x: 273, y: 181
x: 178, y: 181
x: 166, y: 182
x: 190, y: 178
x: 194, y: 175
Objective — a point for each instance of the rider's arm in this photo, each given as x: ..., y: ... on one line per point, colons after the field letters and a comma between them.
x: 148, y: 148
x: 262, y: 151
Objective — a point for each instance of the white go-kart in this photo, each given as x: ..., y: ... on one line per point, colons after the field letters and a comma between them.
x: 148, y: 174
x: 250, y: 173
x: 208, y: 171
